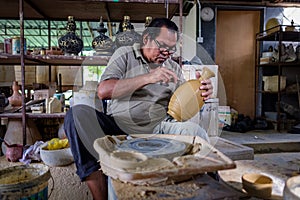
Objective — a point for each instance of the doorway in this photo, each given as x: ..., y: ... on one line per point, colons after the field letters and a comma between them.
x: 235, y: 56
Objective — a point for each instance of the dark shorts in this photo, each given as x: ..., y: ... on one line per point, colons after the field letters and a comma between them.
x: 83, y: 124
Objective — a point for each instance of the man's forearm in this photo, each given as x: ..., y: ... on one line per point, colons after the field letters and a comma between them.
x: 116, y: 88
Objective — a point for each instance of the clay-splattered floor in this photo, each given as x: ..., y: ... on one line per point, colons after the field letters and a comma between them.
x: 278, y: 166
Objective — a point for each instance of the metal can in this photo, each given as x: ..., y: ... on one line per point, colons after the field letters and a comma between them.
x: 7, y: 45
x: 16, y: 45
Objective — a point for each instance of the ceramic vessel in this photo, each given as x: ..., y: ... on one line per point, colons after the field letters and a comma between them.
x: 291, y: 189
x: 187, y: 100
x: 16, y: 98
x: 70, y: 43
x: 257, y: 185
x: 272, y: 25
x: 291, y: 28
x: 58, y: 157
x: 148, y: 21
x: 126, y: 35
x: 14, y: 152
x: 102, y: 44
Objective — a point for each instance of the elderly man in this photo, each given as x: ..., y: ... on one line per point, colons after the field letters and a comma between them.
x: 139, y: 80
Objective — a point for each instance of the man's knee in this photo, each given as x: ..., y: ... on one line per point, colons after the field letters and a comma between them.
x: 184, y: 128
x: 193, y: 128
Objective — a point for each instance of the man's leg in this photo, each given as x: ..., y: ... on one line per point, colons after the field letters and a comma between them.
x: 83, y: 125
x: 181, y: 128
x: 97, y: 183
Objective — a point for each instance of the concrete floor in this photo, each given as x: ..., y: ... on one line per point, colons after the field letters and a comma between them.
x: 279, y: 166
x: 265, y: 141
x: 277, y: 155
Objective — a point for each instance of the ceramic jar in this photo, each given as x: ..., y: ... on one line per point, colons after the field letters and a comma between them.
x: 187, y: 101
x: 102, y: 44
x: 70, y: 43
x: 126, y: 35
x: 148, y: 21
x: 16, y: 98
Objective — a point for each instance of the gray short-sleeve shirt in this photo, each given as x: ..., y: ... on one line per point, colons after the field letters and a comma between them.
x: 142, y: 110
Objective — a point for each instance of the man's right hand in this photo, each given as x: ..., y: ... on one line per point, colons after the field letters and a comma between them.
x: 163, y: 75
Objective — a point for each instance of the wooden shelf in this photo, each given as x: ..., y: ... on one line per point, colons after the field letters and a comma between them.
x: 8, y: 59
x: 284, y: 36
x: 92, y: 10
x: 264, y: 99
x: 283, y: 64
x: 33, y: 115
x: 88, y: 10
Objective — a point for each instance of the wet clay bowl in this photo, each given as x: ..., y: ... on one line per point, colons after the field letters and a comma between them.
x: 127, y: 159
x: 257, y: 185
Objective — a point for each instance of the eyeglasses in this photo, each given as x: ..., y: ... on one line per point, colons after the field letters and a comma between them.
x: 165, y: 48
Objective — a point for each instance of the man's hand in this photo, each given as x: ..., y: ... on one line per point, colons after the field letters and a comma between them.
x: 163, y: 75
x: 207, y: 86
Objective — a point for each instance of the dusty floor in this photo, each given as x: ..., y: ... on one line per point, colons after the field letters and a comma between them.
x: 279, y: 166
x: 276, y: 155
x: 65, y: 184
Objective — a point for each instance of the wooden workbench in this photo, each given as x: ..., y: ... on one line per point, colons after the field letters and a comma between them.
x: 201, y: 187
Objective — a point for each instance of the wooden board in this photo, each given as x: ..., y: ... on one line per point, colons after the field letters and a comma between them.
x: 200, y: 187
x: 200, y: 157
x: 231, y: 149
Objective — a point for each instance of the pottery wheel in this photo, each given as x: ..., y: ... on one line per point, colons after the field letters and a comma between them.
x: 154, y: 147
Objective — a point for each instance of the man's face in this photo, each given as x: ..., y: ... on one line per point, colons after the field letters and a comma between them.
x: 162, y: 47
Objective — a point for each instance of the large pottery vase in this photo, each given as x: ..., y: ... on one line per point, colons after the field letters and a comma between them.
x: 126, y: 35
x: 187, y: 101
x: 70, y: 43
x: 102, y: 44
x: 16, y: 98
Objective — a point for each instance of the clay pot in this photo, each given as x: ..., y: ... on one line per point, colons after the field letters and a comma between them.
x: 16, y: 98
x: 257, y: 185
x: 292, y: 188
x: 187, y: 101
x: 14, y: 152
x: 70, y: 43
x: 58, y: 157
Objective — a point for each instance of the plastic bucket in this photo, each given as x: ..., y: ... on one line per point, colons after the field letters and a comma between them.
x: 24, y: 182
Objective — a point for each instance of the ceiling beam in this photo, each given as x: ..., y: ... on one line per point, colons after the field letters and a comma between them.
x: 36, y: 8
x: 263, y: 3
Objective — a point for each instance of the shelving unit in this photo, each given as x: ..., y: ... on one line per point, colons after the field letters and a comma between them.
x: 81, y: 10
x: 34, y: 115
x: 265, y: 99
x: 8, y: 59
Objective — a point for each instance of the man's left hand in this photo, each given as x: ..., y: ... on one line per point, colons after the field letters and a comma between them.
x: 207, y: 87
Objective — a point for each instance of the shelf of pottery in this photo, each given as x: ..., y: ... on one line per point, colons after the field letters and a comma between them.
x: 63, y: 65
x: 277, y: 75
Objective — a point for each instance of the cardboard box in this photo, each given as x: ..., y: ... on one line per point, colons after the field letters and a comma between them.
x: 271, y: 83
x: 224, y: 115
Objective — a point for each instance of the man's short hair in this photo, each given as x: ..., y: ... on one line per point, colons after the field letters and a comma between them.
x: 153, y: 30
